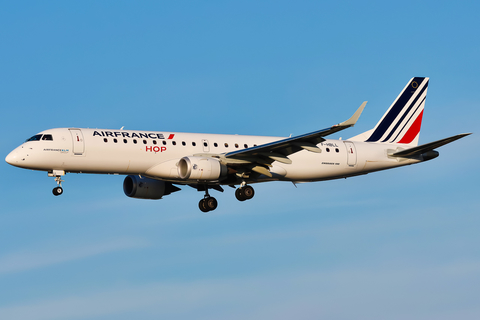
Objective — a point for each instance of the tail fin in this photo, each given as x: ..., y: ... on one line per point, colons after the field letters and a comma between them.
x: 402, y: 121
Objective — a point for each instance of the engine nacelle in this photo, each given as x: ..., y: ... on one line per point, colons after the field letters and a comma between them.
x: 201, y: 168
x: 144, y: 188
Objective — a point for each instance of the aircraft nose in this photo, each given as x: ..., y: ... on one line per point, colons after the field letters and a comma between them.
x: 12, y: 158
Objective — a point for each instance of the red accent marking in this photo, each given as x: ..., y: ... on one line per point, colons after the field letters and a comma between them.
x: 163, y: 149
x: 171, y: 136
x: 156, y: 149
x: 148, y: 149
x: 78, y: 139
x: 413, y: 130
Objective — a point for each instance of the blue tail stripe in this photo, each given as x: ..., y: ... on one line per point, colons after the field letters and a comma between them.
x: 406, y: 112
x: 394, y: 111
x: 410, y: 118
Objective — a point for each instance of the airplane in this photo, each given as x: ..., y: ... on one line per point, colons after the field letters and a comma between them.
x: 157, y: 162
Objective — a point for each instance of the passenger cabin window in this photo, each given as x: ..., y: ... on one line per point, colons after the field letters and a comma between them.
x: 194, y: 144
x: 245, y: 145
x: 105, y: 139
x: 215, y: 144
x: 48, y: 137
x: 183, y: 143
x: 36, y: 137
x: 164, y: 142
x: 226, y: 145
x: 205, y: 144
x: 174, y: 143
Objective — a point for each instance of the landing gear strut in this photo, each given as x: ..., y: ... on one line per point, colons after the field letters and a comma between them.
x: 208, y: 203
x: 58, y: 190
x: 244, y: 193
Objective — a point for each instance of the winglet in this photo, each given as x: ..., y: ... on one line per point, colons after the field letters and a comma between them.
x: 353, y: 119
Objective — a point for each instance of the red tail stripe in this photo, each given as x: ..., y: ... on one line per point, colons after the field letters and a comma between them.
x: 413, y: 130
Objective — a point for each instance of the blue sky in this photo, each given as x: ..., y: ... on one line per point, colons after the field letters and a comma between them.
x: 390, y: 245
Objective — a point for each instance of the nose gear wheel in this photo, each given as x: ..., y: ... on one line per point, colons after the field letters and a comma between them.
x: 57, y: 191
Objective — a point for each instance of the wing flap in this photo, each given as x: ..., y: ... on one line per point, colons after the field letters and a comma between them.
x: 277, y: 157
x: 308, y: 146
x: 262, y: 170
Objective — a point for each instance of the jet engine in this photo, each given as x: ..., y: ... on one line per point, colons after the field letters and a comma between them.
x: 145, y: 188
x: 201, y: 168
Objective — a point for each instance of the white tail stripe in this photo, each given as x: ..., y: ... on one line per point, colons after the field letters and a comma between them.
x: 406, y: 118
x: 402, y: 114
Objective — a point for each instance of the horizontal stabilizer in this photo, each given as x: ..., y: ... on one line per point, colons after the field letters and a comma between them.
x: 428, y: 146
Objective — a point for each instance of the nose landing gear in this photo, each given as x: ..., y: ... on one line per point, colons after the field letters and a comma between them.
x: 58, y: 190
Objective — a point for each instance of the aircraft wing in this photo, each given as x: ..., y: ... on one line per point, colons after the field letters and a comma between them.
x: 279, y: 150
x: 428, y: 146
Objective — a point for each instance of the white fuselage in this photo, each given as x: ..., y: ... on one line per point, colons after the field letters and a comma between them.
x: 156, y: 154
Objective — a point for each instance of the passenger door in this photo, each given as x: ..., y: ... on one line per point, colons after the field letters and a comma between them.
x: 351, y: 153
x: 78, y: 143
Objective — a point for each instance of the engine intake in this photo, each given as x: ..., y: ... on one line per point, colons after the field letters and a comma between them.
x: 201, y: 168
x: 145, y: 188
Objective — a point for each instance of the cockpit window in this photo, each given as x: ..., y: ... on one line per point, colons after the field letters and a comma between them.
x: 47, y: 137
x: 36, y: 137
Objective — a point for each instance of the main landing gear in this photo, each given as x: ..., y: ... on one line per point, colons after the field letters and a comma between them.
x: 208, y: 203
x: 58, y: 190
x: 244, y: 193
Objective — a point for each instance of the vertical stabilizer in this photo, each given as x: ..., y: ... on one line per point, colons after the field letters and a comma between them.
x: 403, y: 120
